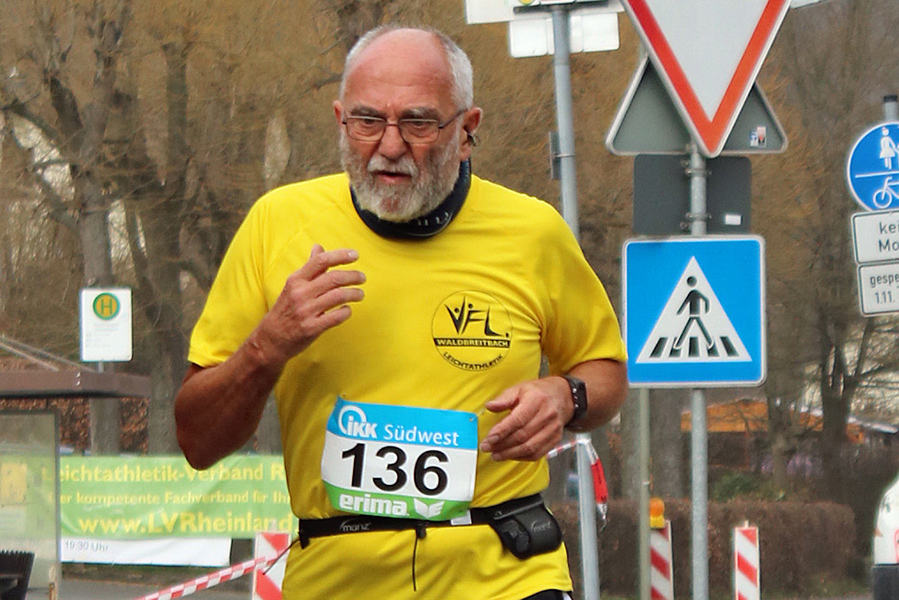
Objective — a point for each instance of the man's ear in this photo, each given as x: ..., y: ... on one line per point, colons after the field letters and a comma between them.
x: 472, y: 120
x: 338, y: 111
x: 470, y: 126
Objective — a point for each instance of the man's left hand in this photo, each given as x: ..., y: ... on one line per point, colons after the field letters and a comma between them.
x: 538, y: 411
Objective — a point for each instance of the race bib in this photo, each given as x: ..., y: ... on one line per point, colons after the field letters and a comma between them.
x: 400, y: 461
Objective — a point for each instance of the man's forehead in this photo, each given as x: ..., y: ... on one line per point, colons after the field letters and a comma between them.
x: 401, y: 57
x: 397, y: 41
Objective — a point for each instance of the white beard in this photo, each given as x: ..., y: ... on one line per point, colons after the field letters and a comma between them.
x: 428, y: 188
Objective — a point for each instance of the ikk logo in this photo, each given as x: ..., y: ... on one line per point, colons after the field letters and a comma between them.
x: 472, y: 330
x: 353, y: 423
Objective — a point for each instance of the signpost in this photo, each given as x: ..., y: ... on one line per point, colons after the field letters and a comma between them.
x: 708, y: 54
x: 878, y: 288
x: 662, y: 195
x: 592, y: 24
x: 648, y: 122
x: 872, y: 170
x: 876, y: 236
x: 691, y: 319
x: 872, y: 175
x: 106, y: 324
x: 590, y: 30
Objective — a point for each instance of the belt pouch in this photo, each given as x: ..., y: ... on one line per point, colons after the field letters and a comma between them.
x: 528, y: 531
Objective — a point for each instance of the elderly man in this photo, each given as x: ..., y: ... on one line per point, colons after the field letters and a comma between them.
x: 414, y: 421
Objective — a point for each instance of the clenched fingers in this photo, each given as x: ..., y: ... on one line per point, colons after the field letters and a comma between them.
x: 533, y: 425
x: 315, y: 298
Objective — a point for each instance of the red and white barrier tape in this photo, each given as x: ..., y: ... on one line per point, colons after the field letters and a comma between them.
x: 213, y: 579
x: 267, y: 583
x: 600, y: 488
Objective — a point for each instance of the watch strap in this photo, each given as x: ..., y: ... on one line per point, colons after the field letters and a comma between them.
x: 578, y: 397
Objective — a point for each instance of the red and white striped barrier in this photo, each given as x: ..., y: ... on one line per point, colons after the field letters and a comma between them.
x: 661, y: 574
x: 213, y: 579
x: 600, y: 488
x: 267, y: 583
x: 747, y: 580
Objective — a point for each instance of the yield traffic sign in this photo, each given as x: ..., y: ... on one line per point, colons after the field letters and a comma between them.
x: 647, y: 122
x: 708, y: 54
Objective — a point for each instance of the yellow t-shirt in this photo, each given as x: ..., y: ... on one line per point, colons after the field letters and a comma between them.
x: 447, y: 322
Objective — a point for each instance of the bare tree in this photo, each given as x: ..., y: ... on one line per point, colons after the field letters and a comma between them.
x: 832, y: 60
x: 77, y: 131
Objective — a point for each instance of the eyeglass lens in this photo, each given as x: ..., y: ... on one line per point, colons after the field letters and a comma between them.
x: 371, y: 129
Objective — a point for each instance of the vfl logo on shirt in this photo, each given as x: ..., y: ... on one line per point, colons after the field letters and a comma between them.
x: 472, y: 330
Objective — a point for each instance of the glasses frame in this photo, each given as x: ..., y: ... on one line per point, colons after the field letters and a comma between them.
x: 399, y: 125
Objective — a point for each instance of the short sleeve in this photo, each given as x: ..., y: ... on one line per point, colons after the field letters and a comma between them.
x: 580, y: 322
x: 236, y: 301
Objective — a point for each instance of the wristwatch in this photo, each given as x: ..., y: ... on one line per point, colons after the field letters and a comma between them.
x: 578, y: 397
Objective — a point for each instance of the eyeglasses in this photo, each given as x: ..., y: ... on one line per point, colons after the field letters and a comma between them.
x: 413, y: 131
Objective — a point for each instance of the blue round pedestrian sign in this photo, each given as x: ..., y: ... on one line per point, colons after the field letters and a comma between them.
x: 872, y: 170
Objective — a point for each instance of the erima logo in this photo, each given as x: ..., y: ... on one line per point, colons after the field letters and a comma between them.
x: 372, y: 506
x: 353, y: 423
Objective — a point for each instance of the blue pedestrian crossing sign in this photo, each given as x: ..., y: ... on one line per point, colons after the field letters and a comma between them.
x: 694, y: 311
x: 872, y: 170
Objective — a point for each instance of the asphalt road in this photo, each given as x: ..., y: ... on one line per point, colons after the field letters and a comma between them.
x: 82, y: 589
x: 78, y: 589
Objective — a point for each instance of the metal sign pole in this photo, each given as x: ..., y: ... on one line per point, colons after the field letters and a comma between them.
x: 699, y: 434
x: 565, y: 116
x: 565, y: 124
x: 587, y: 518
x: 643, y: 497
x: 891, y: 108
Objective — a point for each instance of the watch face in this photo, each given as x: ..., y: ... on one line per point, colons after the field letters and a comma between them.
x: 581, y: 398
x: 578, y: 396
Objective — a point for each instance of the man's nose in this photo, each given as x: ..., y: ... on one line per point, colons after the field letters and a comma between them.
x: 392, y: 145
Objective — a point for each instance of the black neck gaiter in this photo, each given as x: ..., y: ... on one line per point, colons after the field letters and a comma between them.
x: 425, y: 226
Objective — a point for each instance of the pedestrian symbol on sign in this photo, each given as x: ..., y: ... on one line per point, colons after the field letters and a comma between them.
x: 693, y: 326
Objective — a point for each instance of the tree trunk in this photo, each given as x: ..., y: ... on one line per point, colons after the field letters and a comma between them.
x: 832, y: 444
x: 163, y: 227
x: 87, y: 132
x: 781, y: 440
x: 355, y: 17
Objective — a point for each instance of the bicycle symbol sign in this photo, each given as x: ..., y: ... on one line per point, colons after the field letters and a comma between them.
x: 872, y: 170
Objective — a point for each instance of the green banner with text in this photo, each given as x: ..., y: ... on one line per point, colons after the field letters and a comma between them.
x: 163, y: 496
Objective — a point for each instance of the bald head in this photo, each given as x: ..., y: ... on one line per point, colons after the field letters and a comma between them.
x: 429, y: 50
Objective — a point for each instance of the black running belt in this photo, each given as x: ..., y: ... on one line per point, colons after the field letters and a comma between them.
x: 313, y: 528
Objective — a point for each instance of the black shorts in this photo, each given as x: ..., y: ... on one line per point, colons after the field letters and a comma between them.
x: 548, y: 595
